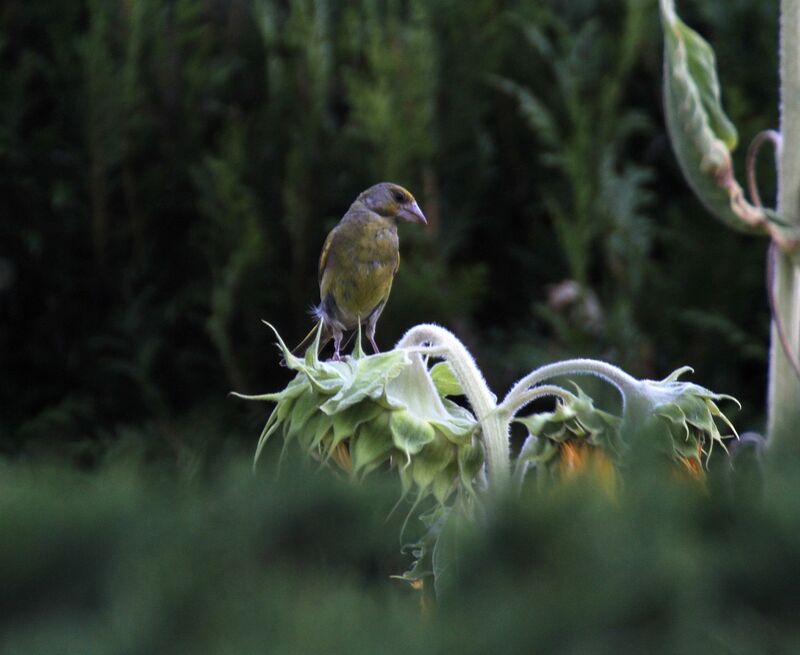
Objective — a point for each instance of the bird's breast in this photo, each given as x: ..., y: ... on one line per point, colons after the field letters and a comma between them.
x: 363, y: 271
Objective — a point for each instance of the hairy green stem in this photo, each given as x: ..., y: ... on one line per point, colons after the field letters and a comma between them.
x: 513, y: 405
x: 494, y: 428
x: 784, y: 387
x: 626, y: 384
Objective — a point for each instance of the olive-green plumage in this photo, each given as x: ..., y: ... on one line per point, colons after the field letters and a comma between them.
x: 358, y: 262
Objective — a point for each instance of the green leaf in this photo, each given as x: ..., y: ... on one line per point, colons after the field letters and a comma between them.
x: 347, y: 421
x: 291, y: 361
x: 414, y: 390
x: 673, y: 377
x: 422, y: 550
x: 540, y: 452
x: 445, y: 558
x: 470, y: 462
x: 315, y: 432
x: 658, y: 434
x: 535, y: 423
x: 431, y: 461
x: 457, y: 425
x: 410, y: 433
x: 365, y: 378
x: 372, y: 445
x: 445, y: 482
x: 329, y: 377
x: 701, y: 134
x: 270, y: 427
x: 689, y: 447
x: 445, y: 380
x: 304, y: 407
x: 698, y: 414
x: 673, y: 414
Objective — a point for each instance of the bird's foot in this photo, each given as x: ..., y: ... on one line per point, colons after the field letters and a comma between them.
x: 374, y: 345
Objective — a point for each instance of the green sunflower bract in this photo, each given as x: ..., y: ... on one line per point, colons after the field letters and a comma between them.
x: 382, y: 409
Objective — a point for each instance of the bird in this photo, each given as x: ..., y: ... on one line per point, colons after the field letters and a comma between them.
x: 359, y: 260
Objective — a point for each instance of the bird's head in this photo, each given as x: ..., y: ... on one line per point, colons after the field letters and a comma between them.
x: 393, y: 201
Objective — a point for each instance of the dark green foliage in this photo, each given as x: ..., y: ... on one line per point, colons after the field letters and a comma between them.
x: 135, y: 559
x: 168, y: 171
x: 665, y: 569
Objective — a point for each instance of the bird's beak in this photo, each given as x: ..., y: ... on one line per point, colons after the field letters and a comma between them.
x: 413, y: 214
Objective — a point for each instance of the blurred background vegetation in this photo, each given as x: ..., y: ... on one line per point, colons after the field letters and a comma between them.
x: 170, y: 168
x: 168, y: 172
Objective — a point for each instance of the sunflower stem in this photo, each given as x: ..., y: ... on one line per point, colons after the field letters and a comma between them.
x: 512, y: 406
x: 494, y: 426
x: 784, y: 385
x: 627, y: 385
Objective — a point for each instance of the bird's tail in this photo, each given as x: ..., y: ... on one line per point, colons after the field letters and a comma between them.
x: 308, y: 341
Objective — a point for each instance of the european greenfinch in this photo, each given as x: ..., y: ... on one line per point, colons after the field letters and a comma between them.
x: 358, y: 263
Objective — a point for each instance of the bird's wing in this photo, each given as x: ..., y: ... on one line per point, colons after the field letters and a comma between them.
x: 323, y: 257
x: 356, y: 210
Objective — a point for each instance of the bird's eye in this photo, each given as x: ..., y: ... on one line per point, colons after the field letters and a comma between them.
x: 398, y: 197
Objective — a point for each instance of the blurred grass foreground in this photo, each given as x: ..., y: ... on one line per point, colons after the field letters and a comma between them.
x: 128, y: 559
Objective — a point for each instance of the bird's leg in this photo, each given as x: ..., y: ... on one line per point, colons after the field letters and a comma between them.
x: 337, y: 344
x: 371, y: 336
x: 375, y: 348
